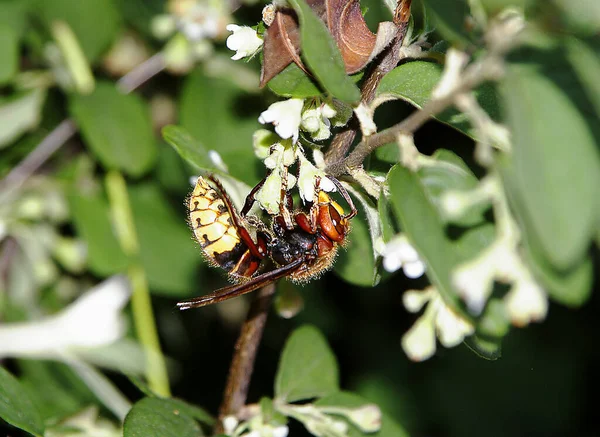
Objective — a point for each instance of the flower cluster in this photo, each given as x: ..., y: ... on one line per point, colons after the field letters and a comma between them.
x: 451, y: 328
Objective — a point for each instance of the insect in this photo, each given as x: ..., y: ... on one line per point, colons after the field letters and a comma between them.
x: 299, y: 248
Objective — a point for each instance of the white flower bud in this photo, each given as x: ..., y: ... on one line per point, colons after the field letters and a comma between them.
x: 367, y: 418
x: 419, y: 342
x: 526, y: 302
x: 307, y: 178
x: 244, y: 41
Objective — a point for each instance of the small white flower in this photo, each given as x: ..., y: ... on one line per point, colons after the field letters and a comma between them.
x: 526, y: 302
x: 307, y: 179
x: 230, y: 423
x: 451, y: 328
x: 244, y: 41
x: 285, y: 116
x: 93, y: 320
x: 315, y: 121
x: 399, y: 253
x: 200, y: 22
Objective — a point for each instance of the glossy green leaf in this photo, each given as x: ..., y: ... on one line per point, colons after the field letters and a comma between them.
x: 156, y: 417
x: 414, y: 81
x: 556, y: 165
x: 187, y: 146
x: 322, y: 55
x: 307, y: 368
x: 420, y: 220
x: 356, y: 262
x: 95, y: 22
x: 91, y: 218
x: 117, y: 128
x: 167, y: 250
x: 223, y: 118
x: 19, y: 114
x: 293, y: 82
x: 16, y: 407
x: 389, y: 428
x: 9, y: 53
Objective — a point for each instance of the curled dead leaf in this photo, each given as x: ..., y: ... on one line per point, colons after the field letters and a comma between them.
x: 344, y: 19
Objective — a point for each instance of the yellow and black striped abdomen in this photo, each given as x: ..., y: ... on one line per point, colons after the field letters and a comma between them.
x: 214, y: 228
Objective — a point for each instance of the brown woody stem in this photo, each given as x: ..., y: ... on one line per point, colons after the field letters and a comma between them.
x: 340, y: 145
x: 244, y: 355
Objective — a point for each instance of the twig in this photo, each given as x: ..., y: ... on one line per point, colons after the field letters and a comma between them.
x: 479, y: 72
x: 67, y: 128
x: 142, y: 73
x: 242, y: 364
x: 50, y: 144
x: 383, y: 64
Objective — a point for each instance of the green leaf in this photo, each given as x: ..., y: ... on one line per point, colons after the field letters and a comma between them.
x: 494, y: 322
x: 307, y: 368
x: 449, y: 18
x: 167, y: 250
x: 198, y: 413
x: 95, y: 22
x: 55, y: 388
x: 293, y: 82
x: 414, y: 81
x: 13, y: 14
x: 570, y: 287
x: 9, y: 53
x: 117, y: 128
x: 91, y: 217
x: 223, y: 118
x: 188, y: 147
x: 356, y: 262
x: 556, y: 165
x: 451, y: 173
x: 19, y: 114
x: 389, y: 428
x: 420, y: 220
x: 586, y: 63
x: 322, y: 55
x: 16, y: 407
x: 156, y: 417
x: 384, y: 208
x: 582, y: 15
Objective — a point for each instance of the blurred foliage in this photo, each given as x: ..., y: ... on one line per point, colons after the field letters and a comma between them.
x: 62, y: 232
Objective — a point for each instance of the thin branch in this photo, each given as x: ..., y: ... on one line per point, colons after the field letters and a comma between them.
x: 479, y: 72
x: 340, y: 145
x: 242, y: 364
x: 142, y: 73
x: 29, y: 165
x: 67, y: 128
